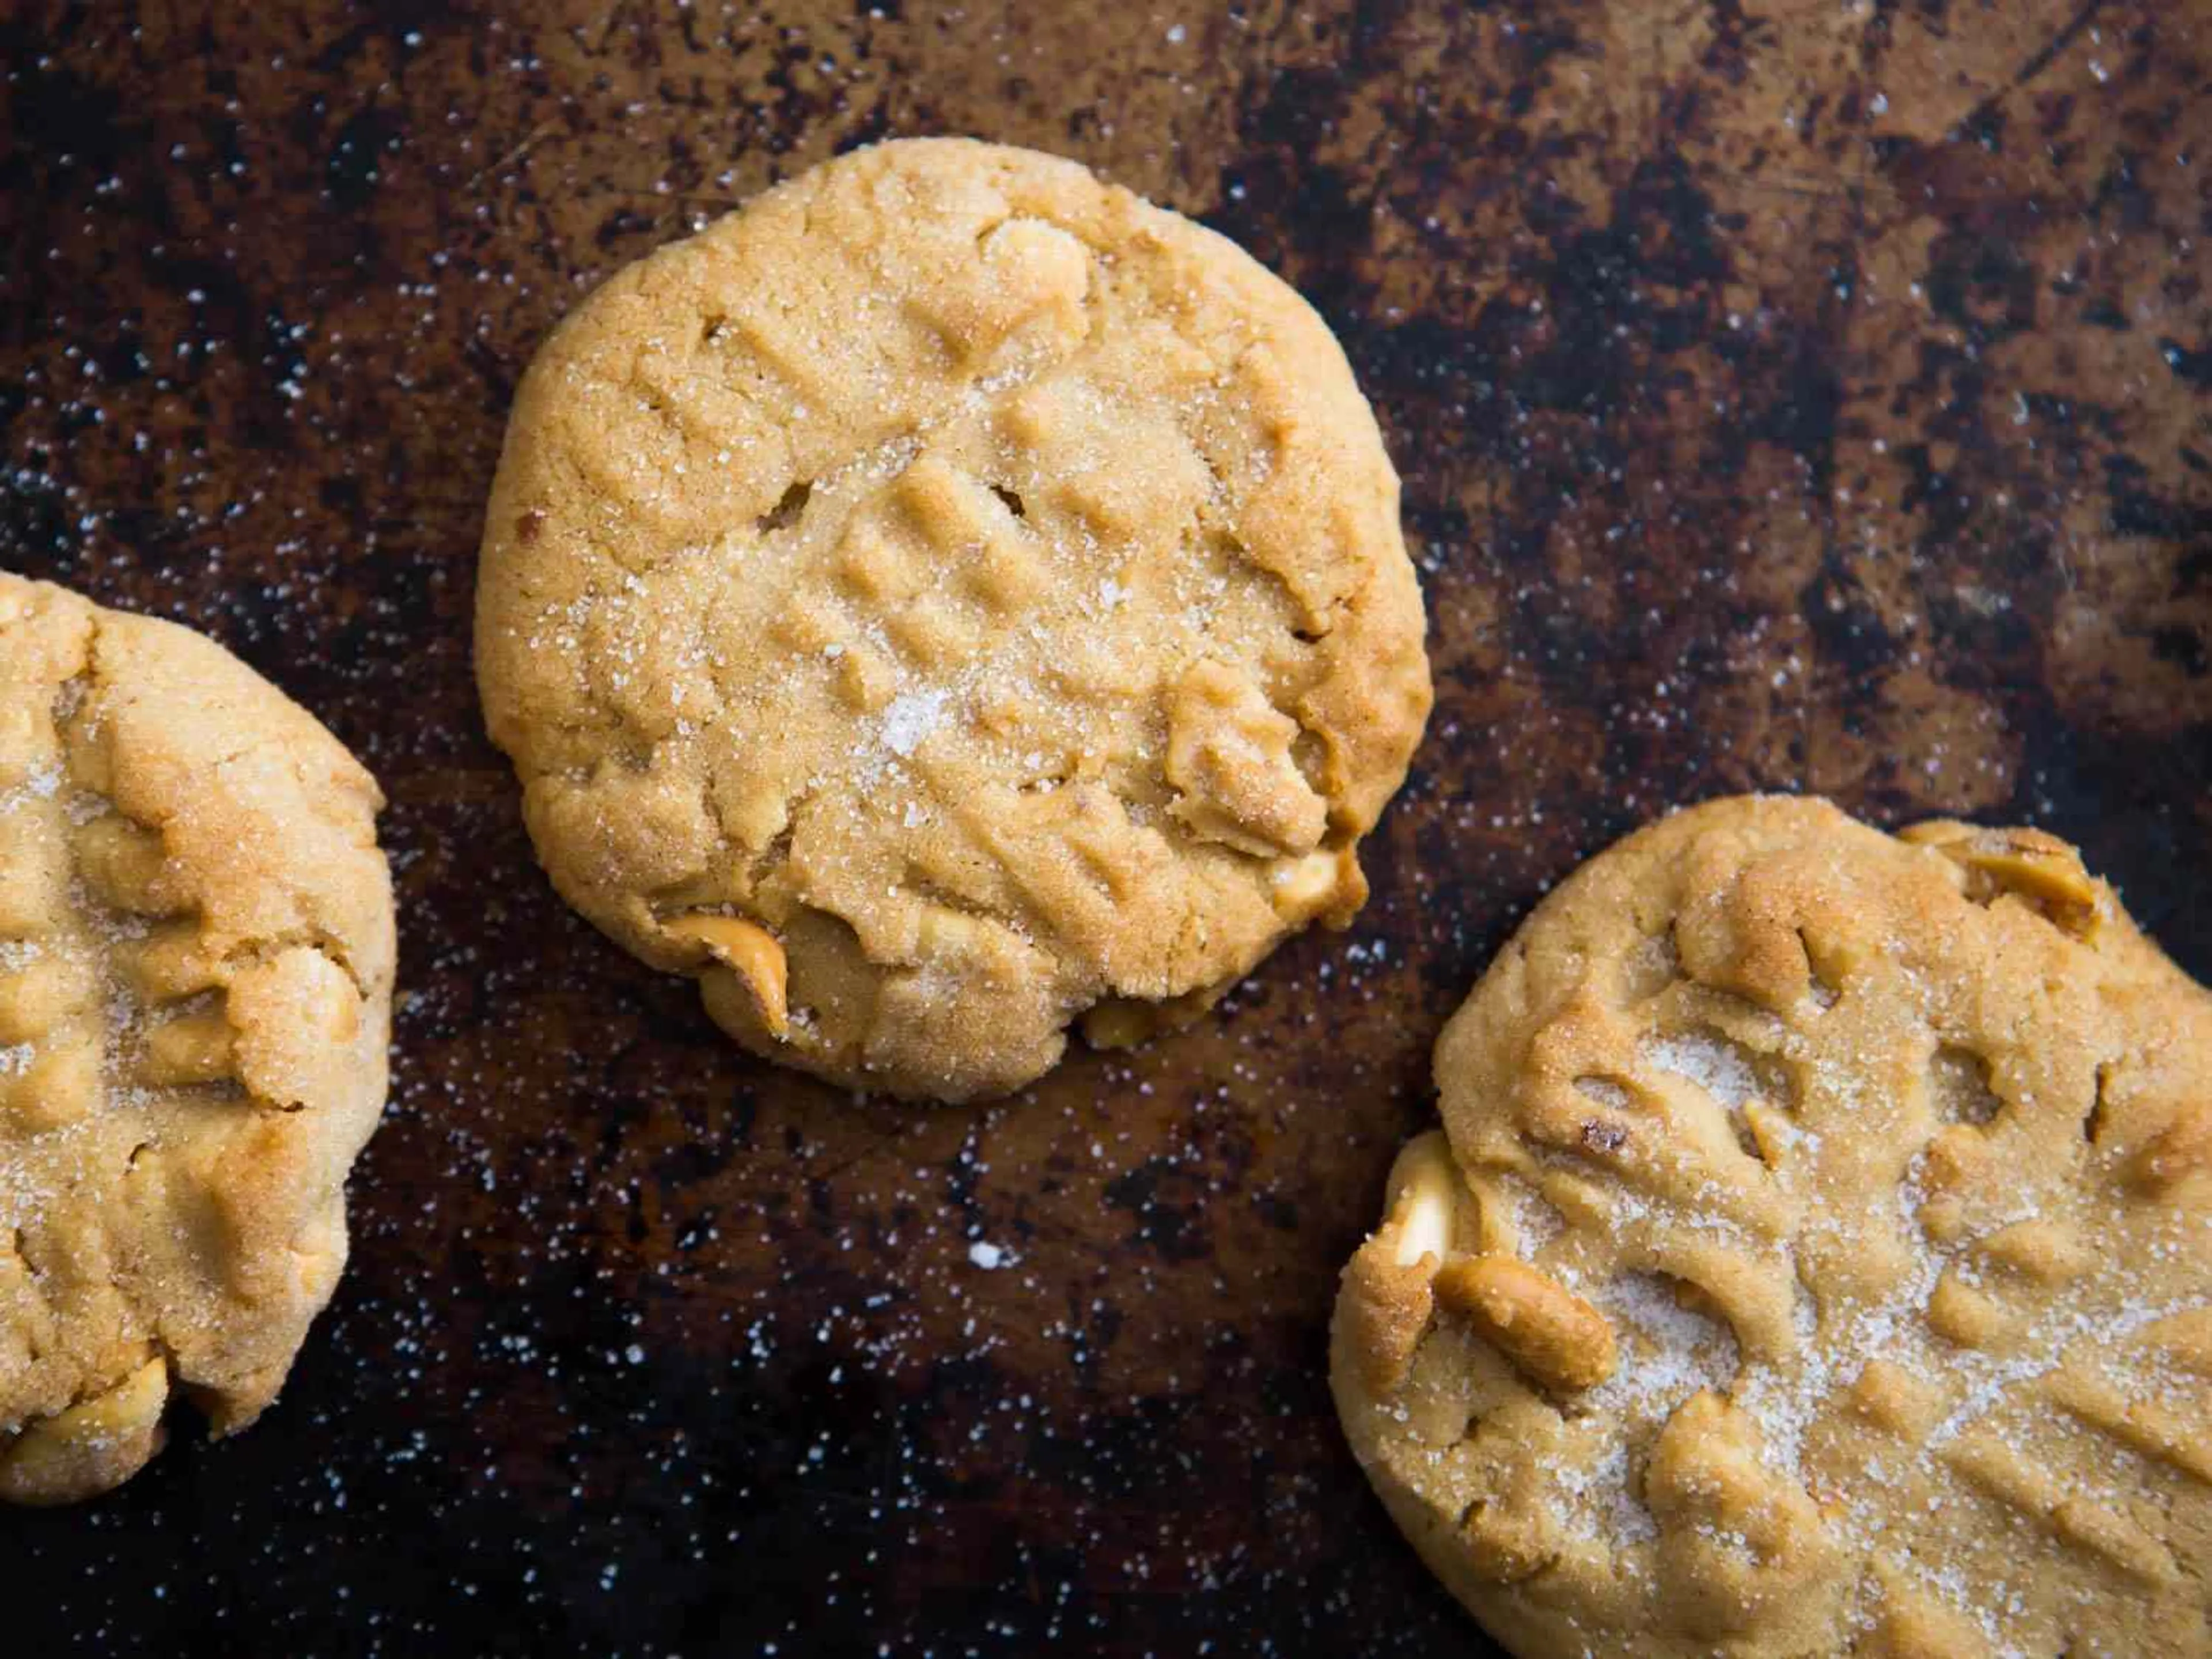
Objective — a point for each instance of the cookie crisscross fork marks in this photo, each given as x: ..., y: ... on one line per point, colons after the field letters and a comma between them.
x: 982, y: 583
x: 195, y: 971
x: 1873, y: 1159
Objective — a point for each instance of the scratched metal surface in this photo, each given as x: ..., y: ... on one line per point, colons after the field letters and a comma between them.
x: 1792, y: 395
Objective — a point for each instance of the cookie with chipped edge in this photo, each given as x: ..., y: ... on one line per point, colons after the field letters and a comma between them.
x: 196, y: 969
x: 1816, y: 1258
x: 947, y: 599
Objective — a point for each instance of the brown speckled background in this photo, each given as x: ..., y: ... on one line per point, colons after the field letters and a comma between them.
x: 1797, y: 394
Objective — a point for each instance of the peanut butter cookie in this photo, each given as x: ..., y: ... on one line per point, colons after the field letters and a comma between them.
x: 195, y: 951
x: 1816, y: 1259
x: 949, y: 597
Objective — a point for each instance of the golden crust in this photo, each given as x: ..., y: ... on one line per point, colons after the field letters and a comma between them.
x: 986, y: 583
x: 1879, y: 1161
x: 196, y: 964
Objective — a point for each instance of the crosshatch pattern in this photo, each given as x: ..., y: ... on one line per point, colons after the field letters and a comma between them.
x: 196, y: 959
x: 1009, y: 611
x: 1819, y: 1257
x: 1795, y: 396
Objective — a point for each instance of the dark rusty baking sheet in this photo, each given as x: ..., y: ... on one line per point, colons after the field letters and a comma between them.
x: 1798, y: 395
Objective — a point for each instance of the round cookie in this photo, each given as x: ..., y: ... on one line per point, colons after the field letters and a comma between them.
x: 195, y: 958
x: 946, y: 598
x: 1817, y: 1259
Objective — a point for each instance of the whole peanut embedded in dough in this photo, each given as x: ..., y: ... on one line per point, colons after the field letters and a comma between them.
x: 1551, y: 1335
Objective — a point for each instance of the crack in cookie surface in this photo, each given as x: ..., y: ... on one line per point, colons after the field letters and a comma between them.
x: 195, y: 951
x: 1902, y: 1360
x: 961, y: 548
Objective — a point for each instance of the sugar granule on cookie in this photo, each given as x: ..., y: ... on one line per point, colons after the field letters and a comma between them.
x: 949, y: 599
x: 196, y: 964
x: 1816, y: 1259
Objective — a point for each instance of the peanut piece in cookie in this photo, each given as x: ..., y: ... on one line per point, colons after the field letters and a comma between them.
x: 750, y: 952
x: 2043, y: 871
x: 1558, y: 1339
